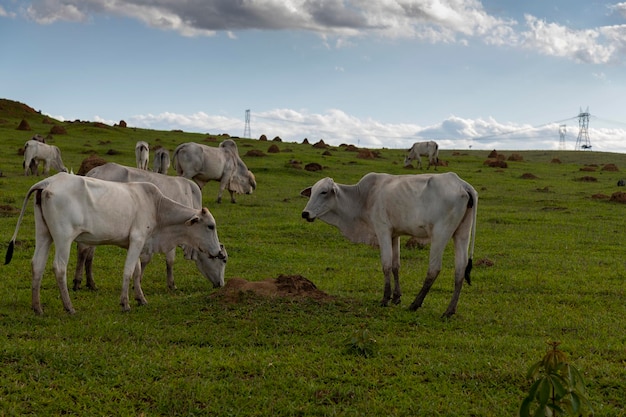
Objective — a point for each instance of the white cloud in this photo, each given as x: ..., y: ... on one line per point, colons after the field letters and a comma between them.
x: 434, y: 21
x: 336, y: 127
x: 556, y: 40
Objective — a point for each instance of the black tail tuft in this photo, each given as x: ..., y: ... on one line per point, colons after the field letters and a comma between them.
x: 7, y: 259
x: 468, y: 269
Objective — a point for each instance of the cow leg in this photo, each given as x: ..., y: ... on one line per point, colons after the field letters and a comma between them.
x: 395, y: 269
x: 223, y: 184
x: 38, y: 266
x: 386, y: 257
x: 137, y: 277
x: 419, y: 161
x: 130, y: 265
x: 84, y: 262
x: 59, y: 265
x: 437, y: 247
x: 232, y: 196
x: 461, y: 244
x: 169, y: 262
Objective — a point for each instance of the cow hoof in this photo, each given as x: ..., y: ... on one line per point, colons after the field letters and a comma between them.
x: 447, y: 314
x: 396, y: 301
x: 414, y: 307
x: 384, y: 303
x: 70, y: 311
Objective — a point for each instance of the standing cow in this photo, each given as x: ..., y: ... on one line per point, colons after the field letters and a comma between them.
x: 135, y: 216
x: 429, y: 149
x: 203, y: 163
x: 142, y: 154
x: 381, y: 207
x: 36, y: 151
x: 161, y: 161
x: 179, y: 189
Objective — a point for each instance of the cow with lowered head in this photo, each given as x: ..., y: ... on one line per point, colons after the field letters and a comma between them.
x: 202, y: 164
x: 179, y: 189
x: 36, y: 151
x: 135, y: 216
x: 381, y: 207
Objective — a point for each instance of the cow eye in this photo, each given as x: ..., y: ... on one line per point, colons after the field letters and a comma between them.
x: 211, y: 227
x: 324, y: 192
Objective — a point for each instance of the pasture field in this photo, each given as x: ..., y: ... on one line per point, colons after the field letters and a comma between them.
x: 549, y: 262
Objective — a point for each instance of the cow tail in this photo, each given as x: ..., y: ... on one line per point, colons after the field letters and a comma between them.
x: 37, y: 187
x: 179, y: 171
x: 472, y: 204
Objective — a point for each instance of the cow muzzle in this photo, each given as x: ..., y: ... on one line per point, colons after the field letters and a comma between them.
x: 307, y: 216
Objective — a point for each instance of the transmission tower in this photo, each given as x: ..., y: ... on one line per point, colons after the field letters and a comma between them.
x: 562, y: 130
x: 246, y: 129
x: 583, y: 142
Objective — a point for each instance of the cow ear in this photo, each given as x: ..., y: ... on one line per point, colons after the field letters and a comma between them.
x: 306, y: 192
x: 193, y: 220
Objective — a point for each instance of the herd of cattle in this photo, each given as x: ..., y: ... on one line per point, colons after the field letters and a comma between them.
x: 148, y: 212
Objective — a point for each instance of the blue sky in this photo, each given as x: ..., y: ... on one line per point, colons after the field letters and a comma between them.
x: 386, y: 73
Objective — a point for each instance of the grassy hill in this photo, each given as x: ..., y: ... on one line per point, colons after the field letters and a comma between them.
x: 549, y: 265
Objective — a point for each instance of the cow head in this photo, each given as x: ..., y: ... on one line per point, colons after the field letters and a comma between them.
x: 321, y: 199
x: 202, y: 234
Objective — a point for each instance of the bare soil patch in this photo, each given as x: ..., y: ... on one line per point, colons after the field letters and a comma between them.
x: 529, y: 176
x: 610, y: 167
x: 619, y: 197
x: 286, y: 286
x: 588, y: 179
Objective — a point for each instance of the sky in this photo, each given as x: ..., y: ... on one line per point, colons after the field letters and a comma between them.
x: 470, y: 74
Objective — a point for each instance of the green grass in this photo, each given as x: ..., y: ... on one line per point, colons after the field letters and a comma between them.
x: 558, y: 274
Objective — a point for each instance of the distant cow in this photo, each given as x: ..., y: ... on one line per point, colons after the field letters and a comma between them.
x: 161, y: 161
x: 142, y: 154
x: 203, y: 163
x: 429, y: 149
x: 50, y: 155
x: 381, y: 207
x: 135, y: 216
x: 179, y: 189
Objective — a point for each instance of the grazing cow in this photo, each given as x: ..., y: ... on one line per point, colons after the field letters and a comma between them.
x: 135, y: 216
x: 35, y: 151
x: 381, y: 207
x: 161, y: 161
x: 430, y: 149
x: 179, y: 189
x: 142, y: 154
x: 203, y: 163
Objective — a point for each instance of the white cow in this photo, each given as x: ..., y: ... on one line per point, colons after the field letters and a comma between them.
x: 429, y: 149
x: 203, y: 163
x: 50, y: 155
x: 135, y: 216
x: 161, y: 161
x: 142, y: 154
x: 179, y: 189
x: 381, y: 207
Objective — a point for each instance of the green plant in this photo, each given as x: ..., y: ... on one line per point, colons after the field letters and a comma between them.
x: 361, y: 342
x: 559, y: 388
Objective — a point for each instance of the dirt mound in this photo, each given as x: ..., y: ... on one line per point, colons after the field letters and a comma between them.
x: 618, y: 197
x: 24, y: 125
x: 495, y: 163
x: 263, y: 138
x: 313, y: 167
x: 90, y: 163
x: 610, y: 167
x: 294, y: 286
x: 529, y: 176
x: 273, y: 149
x: 588, y: 179
x: 515, y: 157
x: 255, y: 152
x: 320, y: 145
x: 555, y: 161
